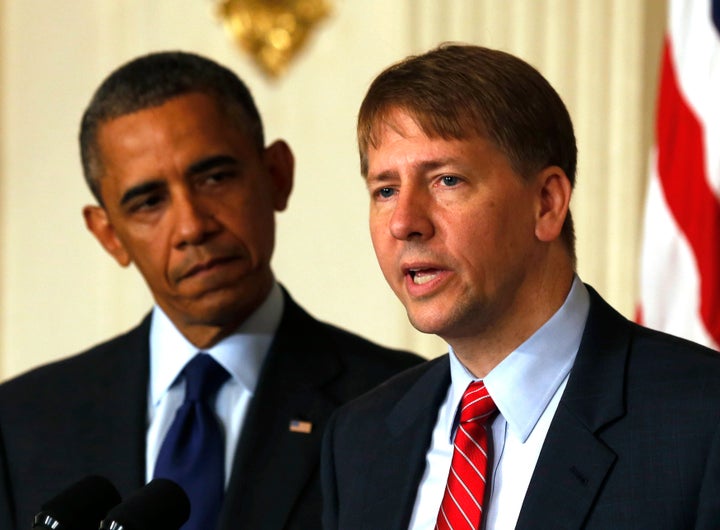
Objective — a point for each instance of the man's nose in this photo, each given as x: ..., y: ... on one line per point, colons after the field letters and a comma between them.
x: 411, y: 218
x: 194, y: 220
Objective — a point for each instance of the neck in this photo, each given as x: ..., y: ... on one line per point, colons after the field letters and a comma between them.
x: 208, y: 327
x: 205, y: 337
x: 483, y: 351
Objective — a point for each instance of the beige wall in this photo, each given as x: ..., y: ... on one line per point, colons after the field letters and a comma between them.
x: 60, y: 293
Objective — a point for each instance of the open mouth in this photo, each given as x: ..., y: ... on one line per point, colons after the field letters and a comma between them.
x: 423, y: 276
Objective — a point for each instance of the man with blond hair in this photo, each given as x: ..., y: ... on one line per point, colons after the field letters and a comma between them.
x: 551, y: 410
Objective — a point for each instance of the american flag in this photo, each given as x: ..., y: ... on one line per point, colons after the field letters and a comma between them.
x: 680, y: 269
x: 300, y: 426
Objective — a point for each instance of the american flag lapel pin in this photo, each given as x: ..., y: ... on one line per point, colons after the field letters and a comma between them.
x: 303, y: 427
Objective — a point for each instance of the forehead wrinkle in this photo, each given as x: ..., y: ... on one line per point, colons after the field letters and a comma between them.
x: 424, y: 160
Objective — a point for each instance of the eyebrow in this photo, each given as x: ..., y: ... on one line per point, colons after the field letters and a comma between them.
x: 209, y: 163
x: 381, y: 177
x: 206, y: 164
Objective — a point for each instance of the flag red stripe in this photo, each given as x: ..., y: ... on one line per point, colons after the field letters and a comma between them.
x: 681, y: 169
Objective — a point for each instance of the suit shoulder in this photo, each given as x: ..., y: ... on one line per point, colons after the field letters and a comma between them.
x: 427, y: 376
x: 359, y: 348
x: 91, y: 366
x: 690, y: 367
x: 665, y: 341
x: 364, y: 363
x: 613, y: 344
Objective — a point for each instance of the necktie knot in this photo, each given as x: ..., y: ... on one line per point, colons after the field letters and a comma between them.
x: 203, y: 377
x: 476, y: 404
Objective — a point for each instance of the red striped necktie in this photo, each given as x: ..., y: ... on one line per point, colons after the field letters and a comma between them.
x: 462, y: 504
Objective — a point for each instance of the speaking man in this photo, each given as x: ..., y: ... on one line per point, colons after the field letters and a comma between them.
x: 551, y: 410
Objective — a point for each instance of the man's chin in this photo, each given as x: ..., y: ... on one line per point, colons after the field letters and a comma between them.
x: 220, y: 307
x: 427, y: 323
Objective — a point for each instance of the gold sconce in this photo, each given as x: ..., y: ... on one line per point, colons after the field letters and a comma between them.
x: 272, y: 31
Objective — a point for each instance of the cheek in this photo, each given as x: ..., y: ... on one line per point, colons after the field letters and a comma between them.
x: 154, y: 266
x: 255, y: 230
x: 379, y: 240
x: 478, y: 242
x: 387, y: 257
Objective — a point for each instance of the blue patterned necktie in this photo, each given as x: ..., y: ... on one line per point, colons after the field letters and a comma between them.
x: 193, y: 452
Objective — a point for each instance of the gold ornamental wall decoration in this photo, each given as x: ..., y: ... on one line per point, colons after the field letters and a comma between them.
x: 272, y: 31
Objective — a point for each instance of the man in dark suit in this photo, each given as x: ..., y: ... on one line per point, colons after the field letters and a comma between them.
x: 551, y: 410
x: 173, y: 150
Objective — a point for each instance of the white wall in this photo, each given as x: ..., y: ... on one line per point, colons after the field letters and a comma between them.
x: 60, y: 293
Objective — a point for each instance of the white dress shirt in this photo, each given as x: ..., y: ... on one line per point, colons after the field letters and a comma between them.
x: 242, y: 354
x: 526, y: 387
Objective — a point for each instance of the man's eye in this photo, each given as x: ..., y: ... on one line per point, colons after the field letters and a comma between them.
x: 218, y: 176
x: 385, y: 193
x: 145, y: 203
x: 450, y: 180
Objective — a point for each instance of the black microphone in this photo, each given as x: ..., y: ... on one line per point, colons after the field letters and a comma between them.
x: 159, y: 505
x: 78, y: 507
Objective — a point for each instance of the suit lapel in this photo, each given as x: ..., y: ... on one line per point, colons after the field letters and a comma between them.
x: 397, y: 466
x: 574, y: 462
x: 290, y: 388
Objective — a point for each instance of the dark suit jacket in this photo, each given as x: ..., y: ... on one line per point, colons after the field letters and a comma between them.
x: 88, y: 415
x: 634, y: 444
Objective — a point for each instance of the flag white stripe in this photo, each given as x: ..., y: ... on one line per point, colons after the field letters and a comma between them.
x: 669, y: 278
x: 696, y: 55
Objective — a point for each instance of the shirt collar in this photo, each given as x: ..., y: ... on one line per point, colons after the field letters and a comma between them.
x: 525, y: 381
x: 241, y: 354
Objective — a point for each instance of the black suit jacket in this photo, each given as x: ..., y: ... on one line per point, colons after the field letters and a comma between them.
x: 88, y: 415
x: 634, y: 444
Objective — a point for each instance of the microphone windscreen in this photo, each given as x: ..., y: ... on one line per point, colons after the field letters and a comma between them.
x: 80, y: 506
x: 159, y: 505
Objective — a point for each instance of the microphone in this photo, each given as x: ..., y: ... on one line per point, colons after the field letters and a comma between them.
x: 159, y: 505
x: 80, y: 506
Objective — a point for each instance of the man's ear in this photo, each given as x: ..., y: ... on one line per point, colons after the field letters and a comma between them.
x: 97, y: 222
x: 280, y: 163
x: 555, y: 192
